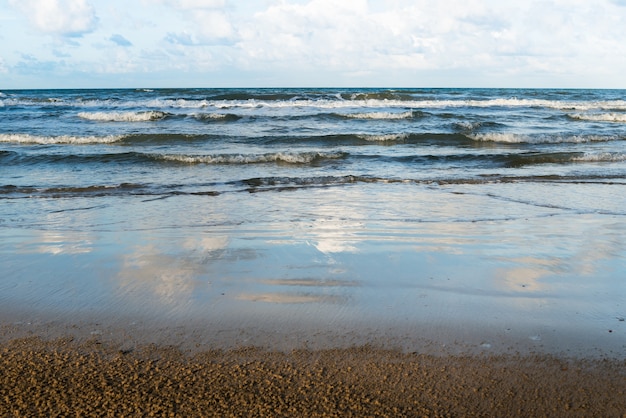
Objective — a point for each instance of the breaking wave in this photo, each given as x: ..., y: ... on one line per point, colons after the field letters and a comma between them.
x: 145, y: 116
x: 278, y: 157
x: 385, y: 99
x: 599, y: 117
x: 512, y: 138
x: 216, y: 117
x: 384, y: 137
x: 382, y: 115
x: 601, y: 157
x: 61, y: 139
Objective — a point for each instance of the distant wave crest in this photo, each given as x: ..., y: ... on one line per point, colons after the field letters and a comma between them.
x: 61, y: 139
x: 324, y: 101
x: 413, y: 103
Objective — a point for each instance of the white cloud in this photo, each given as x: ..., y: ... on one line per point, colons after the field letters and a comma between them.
x: 320, y: 32
x: 196, y: 22
x: 196, y: 4
x: 214, y: 25
x: 359, y: 36
x: 60, y: 17
x: 310, y: 42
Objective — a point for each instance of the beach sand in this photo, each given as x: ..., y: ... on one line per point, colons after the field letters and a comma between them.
x: 96, y: 376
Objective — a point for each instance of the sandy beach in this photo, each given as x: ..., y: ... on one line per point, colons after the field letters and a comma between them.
x: 70, y: 376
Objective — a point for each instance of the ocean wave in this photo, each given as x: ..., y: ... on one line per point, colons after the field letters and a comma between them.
x: 380, y: 96
x: 601, y: 157
x: 165, y: 138
x: 512, y: 138
x: 216, y: 117
x: 381, y: 115
x: 365, y: 139
x: 599, y: 117
x: 61, y: 139
x: 467, y: 126
x: 384, y: 137
x: 261, y: 184
x: 40, y: 101
x: 64, y: 191
x: 6, y: 156
x: 143, y: 116
x: 531, y: 103
x: 81, y: 158
x: 298, y: 182
x: 267, y: 96
x: 277, y: 157
x: 538, y: 158
x: 412, y: 103
x: 378, y: 100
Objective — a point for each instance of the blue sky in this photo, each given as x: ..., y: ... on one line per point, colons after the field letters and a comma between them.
x: 308, y: 43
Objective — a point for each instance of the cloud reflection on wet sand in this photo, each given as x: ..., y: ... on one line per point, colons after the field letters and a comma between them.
x: 290, y: 298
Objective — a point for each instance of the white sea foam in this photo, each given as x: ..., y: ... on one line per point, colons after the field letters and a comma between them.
x: 600, y: 117
x: 123, y: 116
x: 414, y: 104
x: 379, y: 103
x: 62, y: 139
x: 381, y: 115
x: 601, y: 157
x: 513, y: 138
x: 214, y: 116
x: 284, y: 157
x: 515, y: 102
x: 160, y: 103
x: 468, y: 126
x: 384, y: 137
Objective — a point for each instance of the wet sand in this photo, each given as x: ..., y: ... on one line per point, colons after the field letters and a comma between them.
x: 94, y: 376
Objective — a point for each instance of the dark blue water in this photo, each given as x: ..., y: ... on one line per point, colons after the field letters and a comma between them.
x: 168, y: 141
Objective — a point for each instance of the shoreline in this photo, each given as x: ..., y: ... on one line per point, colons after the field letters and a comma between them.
x: 275, y: 331
x: 94, y: 376
x: 57, y: 362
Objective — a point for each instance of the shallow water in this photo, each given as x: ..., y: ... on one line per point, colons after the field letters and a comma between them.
x: 407, y: 266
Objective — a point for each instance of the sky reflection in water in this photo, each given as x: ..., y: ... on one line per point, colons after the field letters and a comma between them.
x: 406, y: 255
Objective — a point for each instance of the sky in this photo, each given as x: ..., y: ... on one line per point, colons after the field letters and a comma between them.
x: 312, y: 43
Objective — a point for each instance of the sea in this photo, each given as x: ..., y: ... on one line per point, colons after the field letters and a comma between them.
x: 441, y: 219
